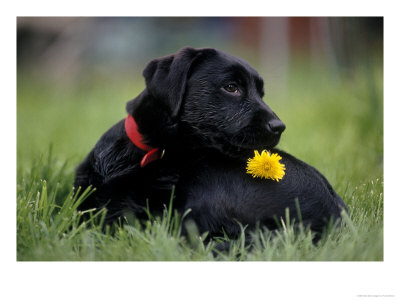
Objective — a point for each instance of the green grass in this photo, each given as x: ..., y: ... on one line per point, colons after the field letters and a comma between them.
x: 335, y: 126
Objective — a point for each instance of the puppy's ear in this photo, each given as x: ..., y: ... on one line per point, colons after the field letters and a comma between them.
x: 166, y: 78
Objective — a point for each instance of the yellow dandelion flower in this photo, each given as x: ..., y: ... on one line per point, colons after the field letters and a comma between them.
x: 266, y: 165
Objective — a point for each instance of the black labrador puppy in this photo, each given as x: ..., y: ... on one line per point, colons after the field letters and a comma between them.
x: 194, y: 126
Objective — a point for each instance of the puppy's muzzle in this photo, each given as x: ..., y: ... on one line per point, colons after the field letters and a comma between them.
x: 276, y: 126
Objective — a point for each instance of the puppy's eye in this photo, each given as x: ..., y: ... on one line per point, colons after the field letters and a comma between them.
x: 231, y: 88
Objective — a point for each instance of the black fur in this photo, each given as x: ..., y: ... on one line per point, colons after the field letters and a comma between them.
x: 208, y: 131
x: 220, y: 193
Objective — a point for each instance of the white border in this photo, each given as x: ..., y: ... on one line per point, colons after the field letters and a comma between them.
x: 263, y: 280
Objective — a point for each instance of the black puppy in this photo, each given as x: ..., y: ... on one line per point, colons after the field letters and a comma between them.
x: 196, y: 123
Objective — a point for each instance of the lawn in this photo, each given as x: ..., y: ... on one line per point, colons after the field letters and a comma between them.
x: 334, y: 123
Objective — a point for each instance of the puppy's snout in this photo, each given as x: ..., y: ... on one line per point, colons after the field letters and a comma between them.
x: 276, y: 126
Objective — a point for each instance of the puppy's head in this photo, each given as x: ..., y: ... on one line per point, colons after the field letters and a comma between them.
x: 208, y: 99
x: 223, y: 106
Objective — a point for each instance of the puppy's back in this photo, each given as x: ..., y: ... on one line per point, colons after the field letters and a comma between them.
x: 220, y: 193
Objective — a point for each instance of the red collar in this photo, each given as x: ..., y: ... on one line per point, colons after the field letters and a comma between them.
x: 136, y: 138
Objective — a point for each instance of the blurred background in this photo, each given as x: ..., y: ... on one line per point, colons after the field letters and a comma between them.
x: 323, y: 77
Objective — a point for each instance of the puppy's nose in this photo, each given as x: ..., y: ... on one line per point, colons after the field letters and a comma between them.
x: 276, y: 126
